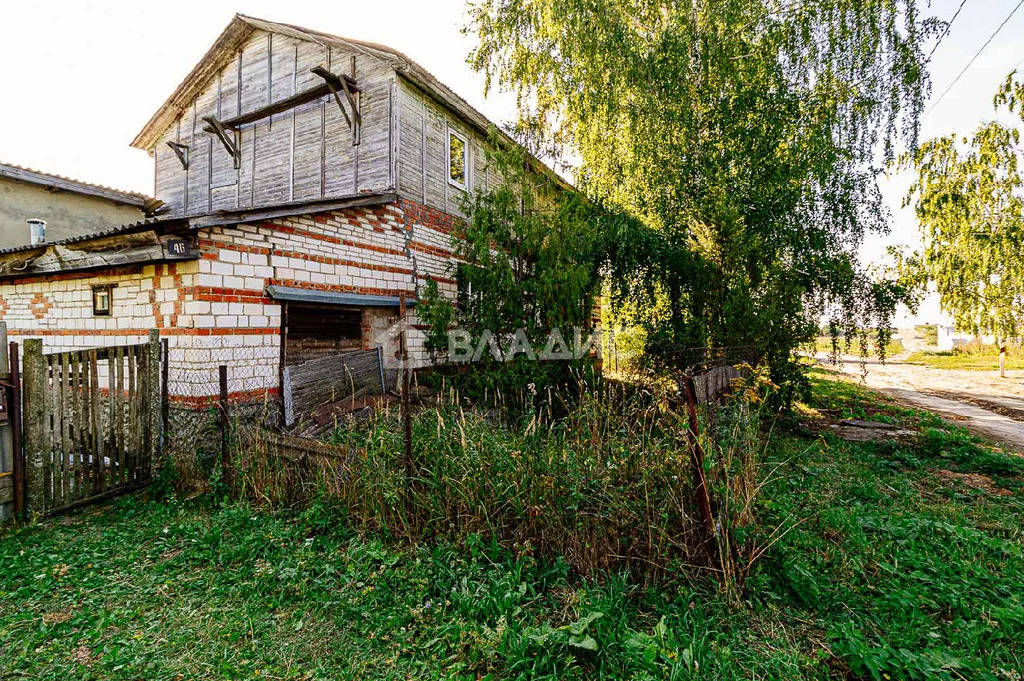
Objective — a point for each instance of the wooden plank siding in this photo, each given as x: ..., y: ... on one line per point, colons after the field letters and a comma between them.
x: 306, y: 153
x: 300, y: 154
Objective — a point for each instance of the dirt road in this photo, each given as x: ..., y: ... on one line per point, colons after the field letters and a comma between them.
x: 978, y: 400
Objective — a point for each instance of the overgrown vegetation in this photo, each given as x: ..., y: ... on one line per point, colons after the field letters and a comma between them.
x: 903, y: 561
x: 744, y: 137
x: 606, y: 487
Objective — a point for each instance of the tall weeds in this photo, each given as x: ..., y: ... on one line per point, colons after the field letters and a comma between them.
x: 608, y: 486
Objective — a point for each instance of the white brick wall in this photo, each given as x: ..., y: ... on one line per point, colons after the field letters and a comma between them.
x: 215, y: 310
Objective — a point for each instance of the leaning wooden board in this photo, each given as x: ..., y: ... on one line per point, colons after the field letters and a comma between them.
x: 329, y: 379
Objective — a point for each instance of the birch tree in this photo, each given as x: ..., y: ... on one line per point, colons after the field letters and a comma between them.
x: 969, y: 204
x: 747, y: 135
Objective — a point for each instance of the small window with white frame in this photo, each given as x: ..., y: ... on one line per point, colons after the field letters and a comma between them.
x: 458, y: 160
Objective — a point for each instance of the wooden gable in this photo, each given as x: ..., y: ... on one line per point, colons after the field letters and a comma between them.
x: 285, y: 145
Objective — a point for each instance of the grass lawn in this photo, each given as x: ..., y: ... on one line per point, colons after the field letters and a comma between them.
x: 974, y: 361
x: 824, y: 344
x: 903, y: 561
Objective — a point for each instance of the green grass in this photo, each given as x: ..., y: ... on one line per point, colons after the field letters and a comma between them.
x: 972, y: 361
x: 899, y: 564
x: 929, y: 332
x: 824, y: 344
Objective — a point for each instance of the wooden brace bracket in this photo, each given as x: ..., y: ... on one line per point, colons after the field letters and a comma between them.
x: 355, y: 121
x: 226, y: 138
x: 181, y: 151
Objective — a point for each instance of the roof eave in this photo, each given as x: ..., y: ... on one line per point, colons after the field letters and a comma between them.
x: 234, y: 34
x: 66, y: 184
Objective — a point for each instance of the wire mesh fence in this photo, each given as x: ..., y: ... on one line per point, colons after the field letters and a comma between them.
x: 208, y: 388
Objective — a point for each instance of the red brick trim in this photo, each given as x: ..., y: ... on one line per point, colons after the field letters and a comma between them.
x: 418, y: 213
x: 230, y: 295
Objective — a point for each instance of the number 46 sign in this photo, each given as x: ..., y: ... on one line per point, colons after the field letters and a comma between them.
x: 179, y: 249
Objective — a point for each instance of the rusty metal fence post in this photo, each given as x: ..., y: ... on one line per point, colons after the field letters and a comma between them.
x: 165, y: 398
x: 700, y: 485
x: 406, y: 409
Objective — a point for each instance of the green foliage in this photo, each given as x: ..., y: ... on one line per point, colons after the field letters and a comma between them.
x: 743, y: 137
x: 897, y: 570
x: 969, y: 202
x: 530, y: 263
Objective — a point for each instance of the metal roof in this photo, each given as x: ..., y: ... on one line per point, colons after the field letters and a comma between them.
x: 140, y: 226
x: 59, y: 182
x: 305, y: 295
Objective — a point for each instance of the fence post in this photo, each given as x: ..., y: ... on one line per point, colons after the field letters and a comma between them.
x: 700, y: 486
x: 165, y: 396
x: 35, y: 423
x: 155, y: 403
x: 15, y: 412
x: 7, y: 453
x: 406, y: 415
x: 225, y: 424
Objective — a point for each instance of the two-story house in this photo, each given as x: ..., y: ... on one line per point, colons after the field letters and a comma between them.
x: 310, y: 181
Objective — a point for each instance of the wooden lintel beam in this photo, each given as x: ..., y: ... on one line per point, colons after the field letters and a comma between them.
x: 342, y: 82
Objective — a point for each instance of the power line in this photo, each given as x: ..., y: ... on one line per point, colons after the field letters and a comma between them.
x: 946, y: 32
x: 973, y: 59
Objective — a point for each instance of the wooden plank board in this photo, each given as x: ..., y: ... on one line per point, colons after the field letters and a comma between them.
x: 329, y: 379
x: 61, y: 417
x: 48, y: 475
x: 131, y: 446
x: 99, y: 473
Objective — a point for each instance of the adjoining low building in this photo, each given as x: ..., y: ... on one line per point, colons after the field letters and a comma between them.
x: 310, y: 183
x: 69, y: 208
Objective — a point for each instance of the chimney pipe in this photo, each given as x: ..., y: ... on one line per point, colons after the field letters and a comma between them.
x: 36, y: 231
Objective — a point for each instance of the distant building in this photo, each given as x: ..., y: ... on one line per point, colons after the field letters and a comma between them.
x: 68, y: 207
x: 950, y: 339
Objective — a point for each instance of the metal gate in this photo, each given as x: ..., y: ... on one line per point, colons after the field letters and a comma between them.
x: 91, y: 422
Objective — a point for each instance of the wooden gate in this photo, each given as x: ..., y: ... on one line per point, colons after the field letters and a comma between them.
x: 91, y: 422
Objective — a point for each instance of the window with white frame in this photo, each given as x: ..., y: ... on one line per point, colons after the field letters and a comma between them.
x: 458, y: 160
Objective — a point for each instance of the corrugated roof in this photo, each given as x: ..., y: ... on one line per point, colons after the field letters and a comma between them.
x: 310, y: 295
x: 140, y: 226
x: 32, y: 176
x: 225, y: 217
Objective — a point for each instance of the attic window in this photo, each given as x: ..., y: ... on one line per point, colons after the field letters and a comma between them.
x: 457, y: 159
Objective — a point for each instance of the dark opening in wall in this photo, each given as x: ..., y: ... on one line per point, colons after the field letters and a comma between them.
x: 316, y: 331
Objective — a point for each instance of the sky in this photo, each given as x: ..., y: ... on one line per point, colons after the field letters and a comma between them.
x: 81, y: 78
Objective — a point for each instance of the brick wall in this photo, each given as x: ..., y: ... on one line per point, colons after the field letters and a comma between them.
x: 215, y: 310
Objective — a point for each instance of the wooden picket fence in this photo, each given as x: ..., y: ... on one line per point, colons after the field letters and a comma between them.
x: 91, y: 422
